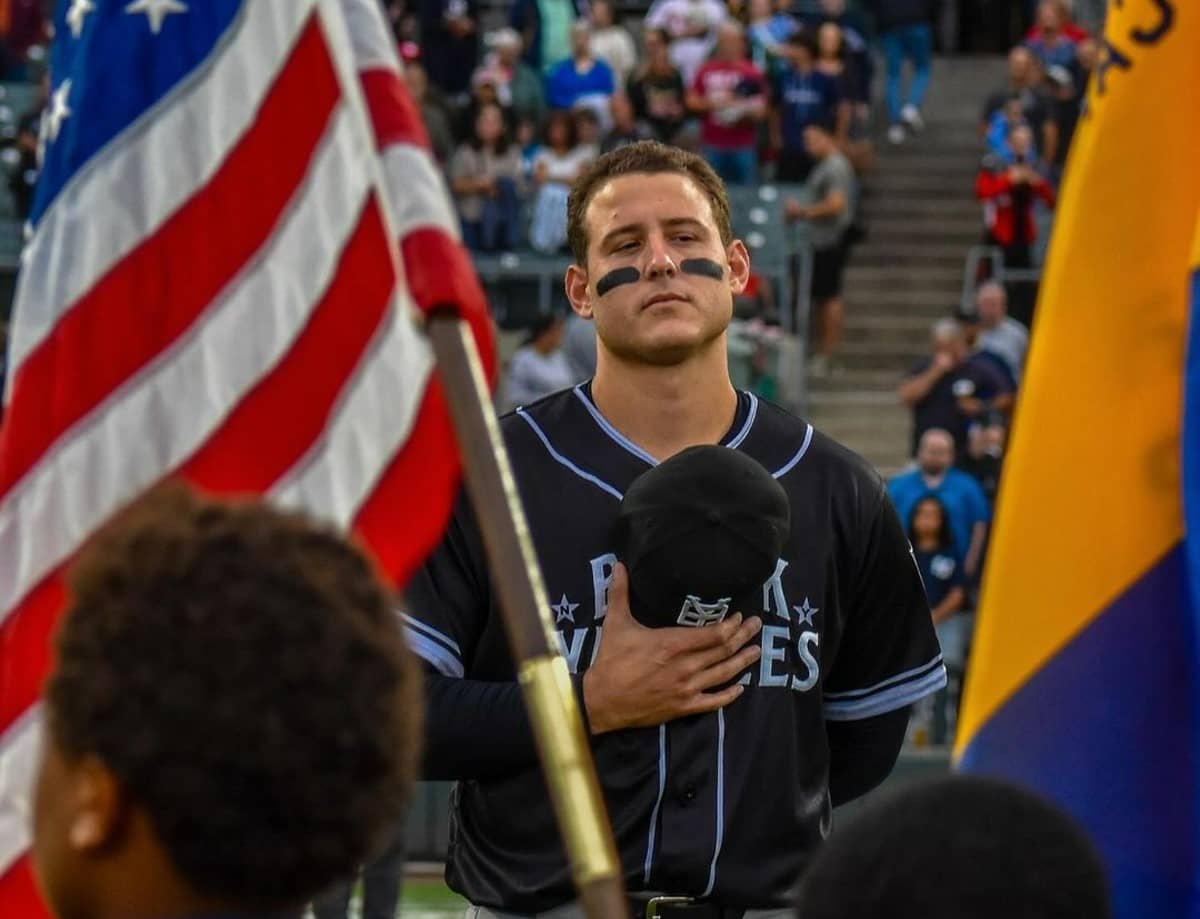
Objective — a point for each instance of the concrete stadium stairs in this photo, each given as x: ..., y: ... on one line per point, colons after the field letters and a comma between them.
x: 922, y: 218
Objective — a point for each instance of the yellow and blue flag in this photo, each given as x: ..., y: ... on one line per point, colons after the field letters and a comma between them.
x: 1084, y: 678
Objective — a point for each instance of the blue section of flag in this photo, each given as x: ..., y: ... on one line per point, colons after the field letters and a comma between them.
x: 1106, y: 730
x: 1191, y: 451
x: 114, y: 71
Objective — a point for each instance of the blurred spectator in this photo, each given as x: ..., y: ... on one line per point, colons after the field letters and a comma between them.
x: 518, y: 86
x: 449, y: 43
x: 803, y: 95
x: 382, y: 880
x: 579, y: 346
x: 831, y: 61
x: 1024, y: 89
x: 984, y: 458
x: 691, y: 26
x: 1052, y: 40
x: 768, y: 33
x: 730, y: 95
x: 545, y: 28
x: 555, y: 166
x: 625, y: 127
x: 22, y: 25
x: 657, y: 91
x: 581, y: 79
x: 588, y: 132
x: 611, y: 42
x: 957, y: 847
x: 941, y: 566
x: 966, y: 507
x: 998, y: 333
x: 905, y: 34
x: 1008, y: 194
x: 485, y: 176
x: 952, y: 387
x: 434, y: 110
x: 858, y: 52
x: 830, y: 186
x: 539, y: 367
x: 22, y: 182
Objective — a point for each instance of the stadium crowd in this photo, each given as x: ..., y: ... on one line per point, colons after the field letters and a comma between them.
x: 962, y: 395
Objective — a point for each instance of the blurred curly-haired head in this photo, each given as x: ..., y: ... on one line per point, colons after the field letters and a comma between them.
x: 241, y: 673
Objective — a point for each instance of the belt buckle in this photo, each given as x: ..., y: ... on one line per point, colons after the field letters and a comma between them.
x: 655, y: 902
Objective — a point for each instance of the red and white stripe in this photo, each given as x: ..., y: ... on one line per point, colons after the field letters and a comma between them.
x: 218, y: 297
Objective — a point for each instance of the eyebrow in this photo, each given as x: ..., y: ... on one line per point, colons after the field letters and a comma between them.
x: 670, y: 224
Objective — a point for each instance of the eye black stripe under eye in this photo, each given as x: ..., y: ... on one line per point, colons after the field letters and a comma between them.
x: 705, y: 267
x: 617, y: 277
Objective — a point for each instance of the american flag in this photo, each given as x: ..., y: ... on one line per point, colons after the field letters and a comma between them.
x: 237, y: 227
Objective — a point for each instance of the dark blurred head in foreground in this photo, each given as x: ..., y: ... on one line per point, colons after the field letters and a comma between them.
x: 232, y: 722
x: 957, y: 847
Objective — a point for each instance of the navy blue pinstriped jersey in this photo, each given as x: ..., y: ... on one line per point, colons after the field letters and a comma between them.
x: 727, y: 805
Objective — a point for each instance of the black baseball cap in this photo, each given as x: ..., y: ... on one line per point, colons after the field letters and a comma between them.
x: 700, y: 534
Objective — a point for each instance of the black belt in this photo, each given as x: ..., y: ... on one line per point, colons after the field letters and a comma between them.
x: 682, y: 908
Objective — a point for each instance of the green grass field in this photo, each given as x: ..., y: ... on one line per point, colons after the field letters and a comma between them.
x: 430, y: 899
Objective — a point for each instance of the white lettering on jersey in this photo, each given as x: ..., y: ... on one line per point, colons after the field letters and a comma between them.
x: 807, y: 645
x: 602, y: 572
x: 773, y: 591
x: 573, y: 653
x: 774, y: 648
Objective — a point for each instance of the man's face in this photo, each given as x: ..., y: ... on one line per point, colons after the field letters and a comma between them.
x: 990, y: 305
x: 953, y: 347
x: 935, y: 453
x: 816, y: 142
x: 1020, y: 63
x: 580, y: 41
x: 833, y: 8
x: 649, y: 225
x: 729, y: 43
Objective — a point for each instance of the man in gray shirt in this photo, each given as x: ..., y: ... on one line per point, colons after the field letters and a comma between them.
x: 831, y: 189
x: 999, y: 333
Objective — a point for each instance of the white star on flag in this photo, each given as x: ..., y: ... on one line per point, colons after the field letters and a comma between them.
x: 59, y: 110
x: 156, y: 10
x: 77, y: 14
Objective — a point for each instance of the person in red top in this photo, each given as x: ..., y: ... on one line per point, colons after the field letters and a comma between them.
x: 1008, y: 194
x: 730, y: 95
x: 1061, y: 13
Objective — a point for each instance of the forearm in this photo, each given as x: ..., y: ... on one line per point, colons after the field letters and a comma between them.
x: 862, y: 753
x: 475, y: 729
x: 913, y: 391
x: 949, y: 606
x: 978, y: 535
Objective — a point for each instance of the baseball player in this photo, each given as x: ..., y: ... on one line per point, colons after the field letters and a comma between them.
x: 721, y: 749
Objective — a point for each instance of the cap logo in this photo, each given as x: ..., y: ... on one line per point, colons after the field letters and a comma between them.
x: 696, y: 613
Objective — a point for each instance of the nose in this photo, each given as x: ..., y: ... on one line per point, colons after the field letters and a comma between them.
x: 661, y: 263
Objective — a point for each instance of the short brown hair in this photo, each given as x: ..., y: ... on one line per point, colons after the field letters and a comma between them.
x: 648, y: 157
x: 241, y: 670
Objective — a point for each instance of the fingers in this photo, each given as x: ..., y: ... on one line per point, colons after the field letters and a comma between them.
x: 726, y: 670
x: 618, y: 596
x: 711, y: 701
x: 730, y: 637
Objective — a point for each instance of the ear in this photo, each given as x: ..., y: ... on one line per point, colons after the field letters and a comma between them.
x: 98, y: 806
x: 576, y: 283
x: 739, y: 266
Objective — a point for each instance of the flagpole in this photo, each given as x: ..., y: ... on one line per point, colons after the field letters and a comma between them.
x: 545, y: 683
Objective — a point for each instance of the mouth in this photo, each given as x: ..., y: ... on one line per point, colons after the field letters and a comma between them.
x: 665, y: 297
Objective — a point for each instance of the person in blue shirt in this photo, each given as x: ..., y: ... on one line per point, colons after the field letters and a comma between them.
x: 232, y: 721
x: 966, y: 506
x: 940, y: 564
x: 581, y: 79
x: 802, y: 95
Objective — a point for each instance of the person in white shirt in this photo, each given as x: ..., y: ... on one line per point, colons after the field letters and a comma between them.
x: 999, y: 333
x: 611, y: 42
x: 692, y: 26
x: 539, y: 367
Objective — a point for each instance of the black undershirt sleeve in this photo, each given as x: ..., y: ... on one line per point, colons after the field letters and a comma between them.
x: 476, y: 729
x: 863, y: 752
